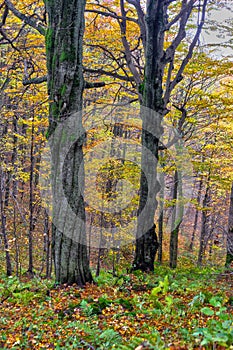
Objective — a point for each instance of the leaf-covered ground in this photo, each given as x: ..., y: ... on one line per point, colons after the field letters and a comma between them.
x: 169, y: 309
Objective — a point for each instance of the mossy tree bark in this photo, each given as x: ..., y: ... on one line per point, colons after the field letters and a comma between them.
x: 154, y: 103
x: 229, y: 257
x: 146, y: 241
x: 64, y: 39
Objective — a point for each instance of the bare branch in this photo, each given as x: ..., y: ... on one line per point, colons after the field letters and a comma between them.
x: 90, y: 85
x: 179, y: 15
x: 128, y: 55
x: 8, y: 40
x: 40, y: 80
x: 187, y: 58
x: 113, y: 15
x: 141, y: 19
x: 109, y: 74
x: 5, y: 13
x: 28, y: 20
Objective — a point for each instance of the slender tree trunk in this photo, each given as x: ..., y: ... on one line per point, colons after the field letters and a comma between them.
x: 31, y: 204
x: 47, y: 244
x: 177, y: 217
x: 14, y: 195
x: 229, y: 256
x: 196, y: 215
x: 204, y: 224
x: 3, y: 226
x: 64, y: 40
x: 161, y: 217
x: 46, y: 250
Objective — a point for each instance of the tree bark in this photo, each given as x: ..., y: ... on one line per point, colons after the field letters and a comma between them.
x: 146, y: 239
x: 177, y: 217
x: 196, y: 215
x: 3, y: 226
x: 229, y: 256
x: 154, y: 100
x: 204, y: 223
x: 31, y: 204
x: 64, y: 40
x: 161, y: 217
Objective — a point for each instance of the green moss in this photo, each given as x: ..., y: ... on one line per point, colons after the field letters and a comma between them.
x: 54, y: 60
x: 60, y: 103
x: 54, y: 110
x: 49, y: 39
x: 67, y: 55
x: 141, y: 88
x: 229, y: 259
x: 64, y: 137
x: 64, y: 56
x: 63, y: 90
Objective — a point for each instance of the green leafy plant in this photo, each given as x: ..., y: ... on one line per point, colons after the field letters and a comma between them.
x: 148, y: 341
x: 161, y: 288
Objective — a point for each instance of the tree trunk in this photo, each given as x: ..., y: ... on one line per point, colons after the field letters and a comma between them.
x: 146, y: 239
x: 3, y: 226
x: 161, y: 216
x: 177, y: 217
x: 229, y: 256
x: 204, y: 224
x: 196, y: 215
x: 65, y: 86
x: 31, y: 204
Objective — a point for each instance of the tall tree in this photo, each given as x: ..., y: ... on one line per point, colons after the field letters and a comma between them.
x: 64, y: 49
x: 229, y: 257
x: 156, y: 100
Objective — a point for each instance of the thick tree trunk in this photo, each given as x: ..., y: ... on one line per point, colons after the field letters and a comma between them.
x: 65, y: 86
x: 146, y: 239
x: 229, y: 256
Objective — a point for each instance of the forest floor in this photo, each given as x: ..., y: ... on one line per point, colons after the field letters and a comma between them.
x: 186, y: 308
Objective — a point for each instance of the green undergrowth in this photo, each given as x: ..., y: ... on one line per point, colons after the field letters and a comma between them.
x: 186, y: 308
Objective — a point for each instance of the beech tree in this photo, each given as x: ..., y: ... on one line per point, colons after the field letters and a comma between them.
x: 64, y: 41
x: 162, y: 30
x: 156, y: 98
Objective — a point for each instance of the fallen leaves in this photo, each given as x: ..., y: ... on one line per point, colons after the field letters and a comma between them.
x: 70, y: 318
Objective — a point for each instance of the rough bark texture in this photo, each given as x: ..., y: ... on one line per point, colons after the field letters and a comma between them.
x: 229, y: 257
x: 204, y: 224
x: 146, y: 242
x: 177, y: 217
x: 156, y: 58
x: 64, y: 39
x: 196, y: 215
x: 161, y: 218
x: 3, y: 226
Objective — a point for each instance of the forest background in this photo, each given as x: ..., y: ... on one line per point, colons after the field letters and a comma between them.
x: 200, y: 110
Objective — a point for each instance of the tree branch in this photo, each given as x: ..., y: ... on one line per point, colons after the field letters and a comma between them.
x: 187, y: 58
x: 141, y: 20
x: 97, y: 84
x: 40, y: 80
x: 109, y: 74
x: 28, y: 20
x: 106, y: 14
x: 179, y: 15
x: 125, y: 43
